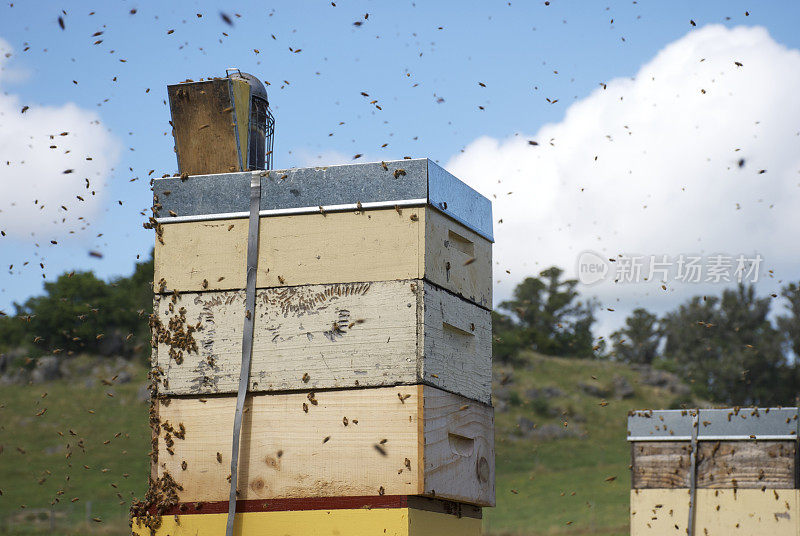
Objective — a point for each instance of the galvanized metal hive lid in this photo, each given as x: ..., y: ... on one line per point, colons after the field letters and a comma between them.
x: 306, y: 190
x: 714, y: 424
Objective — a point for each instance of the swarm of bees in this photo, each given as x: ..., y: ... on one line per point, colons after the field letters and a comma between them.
x: 178, y: 335
x: 161, y: 496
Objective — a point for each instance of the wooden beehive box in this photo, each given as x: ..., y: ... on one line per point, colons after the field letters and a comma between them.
x: 360, y: 516
x: 211, y: 113
x: 398, y: 220
x: 745, y: 471
x: 370, y: 378
x: 369, y: 275
x: 327, y: 336
x: 404, y: 440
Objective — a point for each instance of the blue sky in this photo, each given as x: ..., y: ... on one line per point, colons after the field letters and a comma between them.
x: 407, y: 55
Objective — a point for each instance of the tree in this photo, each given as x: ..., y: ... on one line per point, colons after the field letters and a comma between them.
x: 639, y: 339
x: 79, y: 312
x: 728, y: 349
x: 549, y: 316
x: 507, y: 339
x: 790, y: 325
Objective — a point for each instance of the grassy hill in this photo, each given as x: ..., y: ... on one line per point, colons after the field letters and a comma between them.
x: 571, y: 485
x: 562, y: 458
x: 90, y: 444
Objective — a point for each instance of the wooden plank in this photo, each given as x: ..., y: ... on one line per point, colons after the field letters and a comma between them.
x: 720, y: 464
x: 352, y: 522
x: 664, y: 512
x: 202, y: 117
x: 382, y: 441
x: 459, y: 447
x: 327, y: 336
x: 321, y: 503
x: 241, y: 98
x: 338, y: 247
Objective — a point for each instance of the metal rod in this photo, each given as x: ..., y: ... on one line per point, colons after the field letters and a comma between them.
x: 693, y: 473
x: 247, y: 339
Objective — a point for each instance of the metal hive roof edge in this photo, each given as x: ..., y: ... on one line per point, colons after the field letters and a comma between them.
x: 331, y: 188
x: 714, y: 424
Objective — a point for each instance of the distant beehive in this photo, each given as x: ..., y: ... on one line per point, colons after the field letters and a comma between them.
x: 221, y: 125
x: 714, y: 472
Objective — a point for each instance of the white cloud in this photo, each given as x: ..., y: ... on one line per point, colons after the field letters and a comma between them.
x: 649, y: 165
x: 32, y: 180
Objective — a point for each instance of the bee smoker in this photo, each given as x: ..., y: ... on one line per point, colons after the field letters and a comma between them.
x: 221, y: 125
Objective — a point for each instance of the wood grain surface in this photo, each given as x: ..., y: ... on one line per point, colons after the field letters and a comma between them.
x: 327, y: 336
x: 752, y: 512
x: 337, y: 247
x: 407, y: 440
x: 720, y: 464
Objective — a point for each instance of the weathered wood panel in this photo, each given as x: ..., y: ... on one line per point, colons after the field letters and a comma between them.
x: 337, y: 247
x: 750, y: 512
x: 332, y: 444
x: 459, y: 447
x: 202, y: 118
x: 351, y: 522
x: 457, y: 258
x: 720, y: 464
x: 327, y: 336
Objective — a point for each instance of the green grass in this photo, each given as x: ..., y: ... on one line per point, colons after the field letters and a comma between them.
x: 35, y: 470
x: 556, y: 487
x: 566, y: 486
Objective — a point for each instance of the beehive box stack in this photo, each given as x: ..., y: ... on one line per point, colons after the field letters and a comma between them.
x: 739, y: 466
x: 368, y: 408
